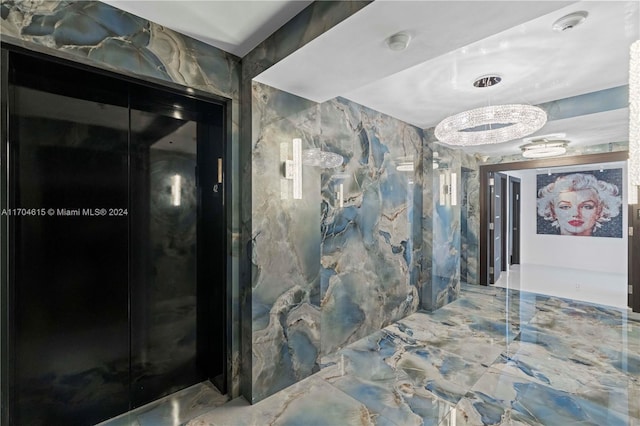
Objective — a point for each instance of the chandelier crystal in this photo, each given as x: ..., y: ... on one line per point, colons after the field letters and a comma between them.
x: 317, y: 158
x: 491, y: 124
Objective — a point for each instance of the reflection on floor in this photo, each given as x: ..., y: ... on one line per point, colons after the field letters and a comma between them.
x: 493, y: 357
x: 578, y: 284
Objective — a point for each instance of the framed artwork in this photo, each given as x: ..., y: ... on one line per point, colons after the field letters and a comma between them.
x: 585, y: 203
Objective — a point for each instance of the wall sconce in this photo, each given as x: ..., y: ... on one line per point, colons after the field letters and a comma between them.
x: 453, y: 189
x: 176, y: 190
x: 338, y: 179
x: 448, y: 188
x: 292, y: 169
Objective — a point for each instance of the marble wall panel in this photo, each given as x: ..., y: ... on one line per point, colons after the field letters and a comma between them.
x: 369, y: 262
x: 444, y: 286
x: 470, y: 220
x: 94, y: 33
x: 314, y: 20
x: 286, y: 245
x: 325, y: 274
x: 429, y: 165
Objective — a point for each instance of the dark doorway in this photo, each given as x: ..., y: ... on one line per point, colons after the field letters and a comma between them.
x: 112, y: 267
x: 496, y: 226
x: 514, y: 232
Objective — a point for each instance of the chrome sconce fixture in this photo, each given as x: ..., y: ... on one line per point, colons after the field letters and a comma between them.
x: 292, y: 169
x: 294, y: 159
x: 448, y: 188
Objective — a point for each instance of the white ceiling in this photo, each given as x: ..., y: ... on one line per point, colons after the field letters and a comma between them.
x: 453, y: 43
x: 233, y: 26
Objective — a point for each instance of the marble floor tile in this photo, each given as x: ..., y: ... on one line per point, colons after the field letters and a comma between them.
x: 311, y: 401
x: 495, y: 356
x: 583, y: 340
x: 406, y: 383
x: 498, y: 397
x: 175, y: 409
x: 474, y: 339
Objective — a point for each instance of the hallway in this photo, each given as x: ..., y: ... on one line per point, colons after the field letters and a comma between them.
x: 494, y: 356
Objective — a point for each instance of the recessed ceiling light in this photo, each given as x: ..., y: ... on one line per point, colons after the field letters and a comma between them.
x: 570, y: 21
x: 399, y: 41
x: 487, y: 80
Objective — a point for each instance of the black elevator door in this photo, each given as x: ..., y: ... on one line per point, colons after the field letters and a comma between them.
x: 164, y: 249
x: 71, y: 261
x: 111, y: 267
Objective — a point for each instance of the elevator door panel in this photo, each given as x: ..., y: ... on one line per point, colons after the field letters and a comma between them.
x: 71, y: 319
x: 116, y: 281
x: 164, y: 228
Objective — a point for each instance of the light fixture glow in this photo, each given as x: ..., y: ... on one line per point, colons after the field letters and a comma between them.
x: 297, y: 169
x: 448, y: 188
x: 633, y: 165
x: 405, y: 164
x: 544, y: 148
x: 453, y: 189
x: 489, y: 125
x: 405, y: 167
x: 176, y: 190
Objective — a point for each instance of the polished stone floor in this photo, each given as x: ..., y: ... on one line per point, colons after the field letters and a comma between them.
x: 493, y: 357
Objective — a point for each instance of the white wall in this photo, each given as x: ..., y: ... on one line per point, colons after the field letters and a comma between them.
x: 603, y: 259
x: 587, y: 253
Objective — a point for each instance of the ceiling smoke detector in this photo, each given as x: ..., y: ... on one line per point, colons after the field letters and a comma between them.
x: 570, y: 21
x: 399, y: 41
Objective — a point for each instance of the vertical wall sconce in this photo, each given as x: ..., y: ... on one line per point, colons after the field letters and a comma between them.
x: 292, y: 169
x: 453, y: 189
x: 341, y: 195
x: 176, y: 190
x: 448, y: 188
x: 633, y: 166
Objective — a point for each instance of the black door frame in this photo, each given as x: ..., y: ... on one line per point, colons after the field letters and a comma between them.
x: 498, y: 218
x: 485, y: 170
x: 514, y: 221
x: 225, y: 188
x: 504, y: 194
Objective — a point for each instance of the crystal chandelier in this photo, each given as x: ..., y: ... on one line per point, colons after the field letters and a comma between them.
x: 491, y: 124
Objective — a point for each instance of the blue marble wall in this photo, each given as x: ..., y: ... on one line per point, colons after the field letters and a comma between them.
x: 99, y: 35
x: 325, y: 275
x: 370, y: 245
x: 444, y: 286
x: 470, y: 220
x: 267, y: 364
x: 285, y: 245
